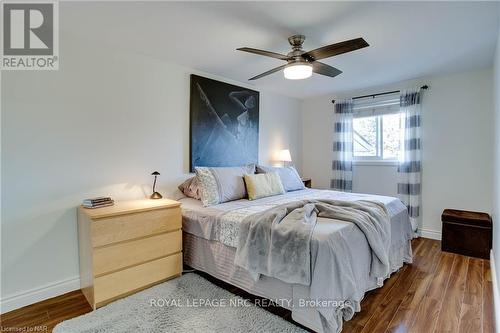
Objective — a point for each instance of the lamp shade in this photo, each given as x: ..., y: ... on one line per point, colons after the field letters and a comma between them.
x: 298, y: 71
x: 285, y: 156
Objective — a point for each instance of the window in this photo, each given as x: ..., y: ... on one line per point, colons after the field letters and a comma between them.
x: 377, y: 132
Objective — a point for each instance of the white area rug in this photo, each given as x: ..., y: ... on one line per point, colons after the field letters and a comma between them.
x: 186, y: 304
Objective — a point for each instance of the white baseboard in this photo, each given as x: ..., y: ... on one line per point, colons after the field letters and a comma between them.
x: 496, y: 295
x: 18, y: 300
x: 431, y: 234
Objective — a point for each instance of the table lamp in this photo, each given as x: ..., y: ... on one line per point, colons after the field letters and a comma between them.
x: 155, y: 194
x: 284, y: 156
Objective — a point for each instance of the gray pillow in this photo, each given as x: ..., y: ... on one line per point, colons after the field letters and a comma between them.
x: 191, y: 188
x: 222, y: 184
x: 289, y: 176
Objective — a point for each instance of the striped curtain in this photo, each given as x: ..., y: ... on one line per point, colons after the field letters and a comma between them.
x: 342, y: 146
x: 410, y: 166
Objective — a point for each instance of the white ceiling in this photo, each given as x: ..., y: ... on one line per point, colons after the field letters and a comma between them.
x: 407, y: 39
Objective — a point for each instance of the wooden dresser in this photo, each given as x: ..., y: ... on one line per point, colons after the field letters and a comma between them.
x: 128, y: 247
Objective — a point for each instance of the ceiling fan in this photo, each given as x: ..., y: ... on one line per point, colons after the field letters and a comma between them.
x: 301, y: 64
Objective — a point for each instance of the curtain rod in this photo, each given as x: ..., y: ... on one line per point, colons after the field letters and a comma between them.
x: 425, y: 87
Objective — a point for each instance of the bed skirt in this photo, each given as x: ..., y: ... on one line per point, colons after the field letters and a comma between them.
x: 217, y: 259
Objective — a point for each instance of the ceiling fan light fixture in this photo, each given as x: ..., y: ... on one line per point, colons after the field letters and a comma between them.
x: 300, y: 65
x: 298, y: 71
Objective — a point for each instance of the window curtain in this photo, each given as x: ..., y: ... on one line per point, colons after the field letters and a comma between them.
x: 410, y: 166
x: 342, y: 146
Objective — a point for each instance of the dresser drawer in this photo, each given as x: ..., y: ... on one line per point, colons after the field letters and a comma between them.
x: 117, y: 256
x: 119, y: 228
x: 111, y: 286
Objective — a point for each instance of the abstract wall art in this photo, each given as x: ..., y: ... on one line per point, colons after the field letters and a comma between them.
x: 224, y: 124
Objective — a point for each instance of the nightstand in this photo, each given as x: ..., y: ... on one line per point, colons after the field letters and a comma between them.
x: 128, y: 247
x: 307, y: 182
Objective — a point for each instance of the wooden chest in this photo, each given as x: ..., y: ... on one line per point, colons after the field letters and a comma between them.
x: 467, y: 233
x: 128, y: 247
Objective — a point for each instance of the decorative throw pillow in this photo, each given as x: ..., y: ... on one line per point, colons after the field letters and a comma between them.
x: 263, y: 185
x: 289, y: 177
x: 222, y: 184
x: 191, y: 188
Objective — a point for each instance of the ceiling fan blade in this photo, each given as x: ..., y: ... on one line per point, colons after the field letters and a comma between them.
x: 324, y: 69
x: 274, y: 70
x: 335, y: 49
x: 263, y: 53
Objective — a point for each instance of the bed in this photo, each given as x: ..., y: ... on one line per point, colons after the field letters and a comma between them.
x: 211, y: 239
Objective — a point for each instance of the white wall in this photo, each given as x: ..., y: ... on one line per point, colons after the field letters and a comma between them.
x: 496, y: 197
x: 457, y: 132
x: 280, y: 128
x: 364, y: 175
x: 98, y: 126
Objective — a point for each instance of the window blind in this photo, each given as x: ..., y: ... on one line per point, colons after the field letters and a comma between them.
x: 375, y: 106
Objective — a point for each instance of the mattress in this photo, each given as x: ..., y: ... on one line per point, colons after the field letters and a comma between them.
x: 221, y: 222
x: 212, y: 237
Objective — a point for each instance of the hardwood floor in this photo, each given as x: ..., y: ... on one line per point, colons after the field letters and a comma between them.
x: 439, y: 292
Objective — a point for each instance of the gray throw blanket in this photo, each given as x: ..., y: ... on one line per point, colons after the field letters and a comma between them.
x: 276, y: 242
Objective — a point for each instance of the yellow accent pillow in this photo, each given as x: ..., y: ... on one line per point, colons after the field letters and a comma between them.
x: 263, y: 185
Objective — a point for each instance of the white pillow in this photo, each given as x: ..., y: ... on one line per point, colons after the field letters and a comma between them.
x: 222, y: 184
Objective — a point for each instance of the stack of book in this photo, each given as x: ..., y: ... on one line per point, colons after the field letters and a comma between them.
x: 98, y: 202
